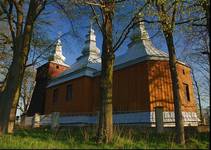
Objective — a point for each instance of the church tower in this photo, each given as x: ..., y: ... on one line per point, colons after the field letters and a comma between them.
x: 90, y: 52
x: 141, y: 43
x: 45, y: 73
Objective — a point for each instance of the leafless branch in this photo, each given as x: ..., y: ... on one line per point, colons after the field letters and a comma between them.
x: 96, y: 18
x: 40, y: 9
x: 9, y: 18
x: 128, y: 28
x: 189, y: 20
x: 45, y: 50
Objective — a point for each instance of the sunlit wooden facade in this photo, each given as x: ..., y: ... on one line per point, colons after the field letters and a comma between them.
x: 140, y: 87
x: 141, y: 82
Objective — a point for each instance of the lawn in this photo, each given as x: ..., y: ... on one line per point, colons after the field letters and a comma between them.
x: 83, y: 138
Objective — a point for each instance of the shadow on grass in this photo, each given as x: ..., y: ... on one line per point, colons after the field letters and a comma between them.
x: 124, y: 137
x: 69, y: 136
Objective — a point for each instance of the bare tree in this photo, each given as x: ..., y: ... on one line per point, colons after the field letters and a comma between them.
x: 167, y: 13
x: 170, y: 14
x: 196, y: 50
x: 21, y: 27
x: 27, y: 89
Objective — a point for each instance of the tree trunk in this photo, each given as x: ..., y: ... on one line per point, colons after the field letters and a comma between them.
x: 206, y: 7
x: 198, y: 95
x: 10, y: 95
x: 205, y: 4
x: 175, y: 84
x: 11, y: 92
x: 105, y: 129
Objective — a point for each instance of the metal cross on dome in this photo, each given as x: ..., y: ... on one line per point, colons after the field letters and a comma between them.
x: 59, y: 34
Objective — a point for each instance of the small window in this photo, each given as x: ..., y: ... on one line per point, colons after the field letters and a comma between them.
x: 57, y: 67
x: 69, y: 92
x: 186, y: 91
x: 183, y: 71
x: 55, y: 95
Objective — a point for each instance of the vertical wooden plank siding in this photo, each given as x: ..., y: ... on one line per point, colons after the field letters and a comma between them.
x: 81, y: 101
x: 161, y: 86
x: 139, y: 87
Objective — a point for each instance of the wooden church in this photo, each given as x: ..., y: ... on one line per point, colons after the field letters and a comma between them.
x: 142, y: 81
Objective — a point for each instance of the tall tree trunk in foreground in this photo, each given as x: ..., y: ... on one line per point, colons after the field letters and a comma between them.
x: 167, y: 24
x: 105, y: 129
x: 11, y: 93
x: 21, y: 45
x: 176, y: 95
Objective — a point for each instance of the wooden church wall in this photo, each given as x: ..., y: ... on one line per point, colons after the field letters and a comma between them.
x: 44, y: 74
x: 186, y: 78
x: 135, y: 88
x: 130, y: 90
x: 130, y: 93
x: 56, y: 69
x: 160, y: 86
x: 80, y: 103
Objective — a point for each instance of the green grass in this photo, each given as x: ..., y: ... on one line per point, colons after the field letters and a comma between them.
x: 127, y: 138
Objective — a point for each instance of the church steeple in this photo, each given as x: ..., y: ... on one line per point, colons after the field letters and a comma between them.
x: 57, y: 56
x: 141, y: 42
x: 45, y: 73
x: 139, y: 32
x: 90, y: 52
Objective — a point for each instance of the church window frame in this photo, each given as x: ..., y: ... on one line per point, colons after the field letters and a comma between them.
x: 55, y: 95
x: 69, y: 92
x: 186, y: 91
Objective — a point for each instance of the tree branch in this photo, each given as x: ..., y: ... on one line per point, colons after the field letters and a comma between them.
x: 124, y: 34
x: 174, y: 14
x: 45, y: 50
x: 129, y: 26
x: 9, y: 18
x: 96, y: 18
x: 41, y: 9
x: 189, y: 20
x: 119, y: 1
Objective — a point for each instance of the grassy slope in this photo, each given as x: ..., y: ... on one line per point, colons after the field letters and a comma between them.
x: 83, y: 138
